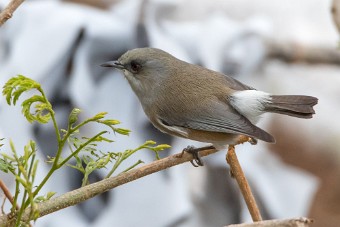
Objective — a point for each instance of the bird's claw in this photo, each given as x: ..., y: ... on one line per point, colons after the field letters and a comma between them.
x: 252, y: 141
x: 197, y: 161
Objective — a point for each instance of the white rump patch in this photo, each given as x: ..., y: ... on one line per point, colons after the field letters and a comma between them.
x: 250, y: 103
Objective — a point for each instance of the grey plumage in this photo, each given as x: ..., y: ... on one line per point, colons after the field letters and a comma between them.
x: 292, y: 105
x: 193, y: 102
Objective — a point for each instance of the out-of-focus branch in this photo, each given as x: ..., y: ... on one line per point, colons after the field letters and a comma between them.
x: 79, y: 195
x: 294, y: 52
x: 7, y: 13
x: 101, y: 4
x: 336, y: 13
x: 296, y: 222
x: 7, y: 193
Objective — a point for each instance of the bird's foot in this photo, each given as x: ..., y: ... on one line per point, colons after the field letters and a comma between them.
x: 243, y: 139
x: 197, y: 161
x: 252, y: 141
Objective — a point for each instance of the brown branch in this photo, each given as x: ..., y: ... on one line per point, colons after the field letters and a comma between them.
x: 237, y: 172
x: 79, y: 195
x: 3, y: 206
x: 7, y: 13
x: 7, y: 193
x: 296, y: 222
x: 335, y: 10
x: 295, y: 52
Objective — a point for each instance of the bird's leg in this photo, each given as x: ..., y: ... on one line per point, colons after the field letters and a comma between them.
x: 197, y: 161
x: 252, y: 141
x: 243, y: 139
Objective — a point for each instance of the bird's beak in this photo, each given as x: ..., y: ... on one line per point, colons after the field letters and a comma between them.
x: 115, y: 64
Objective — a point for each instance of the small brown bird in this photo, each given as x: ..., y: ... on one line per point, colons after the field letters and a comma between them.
x: 196, y: 103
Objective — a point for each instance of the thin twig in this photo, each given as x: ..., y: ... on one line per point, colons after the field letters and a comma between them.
x: 7, y: 13
x: 335, y: 10
x: 79, y: 195
x: 3, y: 206
x: 294, y: 222
x: 297, y: 52
x: 7, y: 193
x: 237, y: 172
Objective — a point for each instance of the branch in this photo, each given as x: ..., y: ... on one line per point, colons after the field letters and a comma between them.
x: 7, y: 13
x: 79, y: 195
x: 296, y: 222
x: 237, y: 172
x: 295, y: 52
x: 335, y: 10
x: 7, y: 193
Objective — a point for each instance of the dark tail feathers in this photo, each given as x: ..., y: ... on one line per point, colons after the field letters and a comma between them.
x: 293, y: 105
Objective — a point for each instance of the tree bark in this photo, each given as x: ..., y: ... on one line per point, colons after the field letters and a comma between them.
x: 7, y: 13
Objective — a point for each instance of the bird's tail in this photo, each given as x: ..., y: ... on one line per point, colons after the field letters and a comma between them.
x: 293, y: 105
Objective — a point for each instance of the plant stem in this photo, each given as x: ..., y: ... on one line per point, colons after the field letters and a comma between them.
x: 56, y: 128
x: 115, y: 166
x: 56, y: 166
x: 89, y: 191
x: 80, y: 148
x: 133, y: 166
x: 59, y: 150
x: 17, y: 184
x: 123, y: 156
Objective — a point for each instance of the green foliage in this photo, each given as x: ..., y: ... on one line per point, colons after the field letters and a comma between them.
x: 24, y: 169
x: 46, y: 197
x: 83, y: 153
x: 16, y: 86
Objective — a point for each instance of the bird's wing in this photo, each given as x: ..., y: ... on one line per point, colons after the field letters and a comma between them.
x: 235, y: 84
x: 219, y: 117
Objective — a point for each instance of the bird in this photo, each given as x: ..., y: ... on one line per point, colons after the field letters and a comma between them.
x: 193, y: 102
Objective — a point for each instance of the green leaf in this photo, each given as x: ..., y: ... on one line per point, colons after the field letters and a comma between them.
x: 161, y: 147
x: 79, y: 164
x: 110, y: 122
x: 148, y: 145
x: 6, y: 166
x: 35, y: 167
x: 16, y: 94
x: 39, y: 199
x: 15, y: 86
x: 149, y: 142
x: 35, y: 214
x: 98, y: 116
x: 50, y: 159
x: 44, y: 198
x: 73, y: 117
x: 122, y: 131
x: 43, y: 110
x: 22, y: 181
x: 50, y: 194
x: 1, y: 139
x: 29, y: 149
x: 102, y: 139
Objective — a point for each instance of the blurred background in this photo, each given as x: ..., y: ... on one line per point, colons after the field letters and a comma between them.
x: 281, y: 47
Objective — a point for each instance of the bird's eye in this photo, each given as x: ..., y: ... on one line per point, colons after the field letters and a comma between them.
x: 135, y: 67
